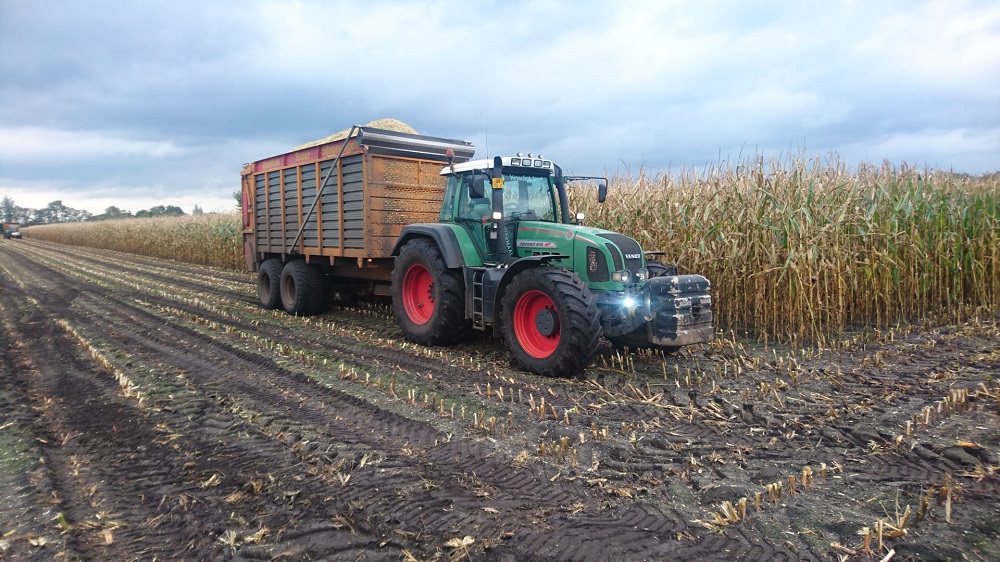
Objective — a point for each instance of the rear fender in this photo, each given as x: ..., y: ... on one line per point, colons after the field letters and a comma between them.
x: 455, y: 253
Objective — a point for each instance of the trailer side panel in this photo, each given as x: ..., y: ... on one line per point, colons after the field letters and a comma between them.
x: 376, y: 184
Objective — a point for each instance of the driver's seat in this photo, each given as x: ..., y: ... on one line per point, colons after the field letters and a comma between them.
x: 480, y: 207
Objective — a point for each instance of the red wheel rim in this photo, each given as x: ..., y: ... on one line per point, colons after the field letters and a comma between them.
x: 417, y: 294
x: 535, y: 343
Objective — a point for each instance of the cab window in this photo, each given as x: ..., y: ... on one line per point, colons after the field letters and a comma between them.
x: 528, y: 197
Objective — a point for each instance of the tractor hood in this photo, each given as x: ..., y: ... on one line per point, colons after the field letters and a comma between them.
x: 601, y: 257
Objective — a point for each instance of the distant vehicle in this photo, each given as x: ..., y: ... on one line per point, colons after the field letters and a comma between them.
x: 460, y: 245
x: 11, y: 230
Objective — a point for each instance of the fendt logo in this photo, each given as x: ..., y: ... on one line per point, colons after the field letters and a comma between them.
x: 535, y: 244
x: 632, y: 256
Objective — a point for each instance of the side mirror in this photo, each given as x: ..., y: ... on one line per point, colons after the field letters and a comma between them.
x: 602, y: 192
x: 477, y: 189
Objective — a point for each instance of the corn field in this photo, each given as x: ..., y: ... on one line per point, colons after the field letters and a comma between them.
x: 208, y: 239
x: 796, y: 249
x: 804, y: 249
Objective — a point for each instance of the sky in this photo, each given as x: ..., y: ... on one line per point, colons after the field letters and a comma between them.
x: 136, y: 104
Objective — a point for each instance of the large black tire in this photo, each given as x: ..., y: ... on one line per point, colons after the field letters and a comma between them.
x: 551, y: 322
x: 428, y: 299
x: 302, y: 289
x: 657, y: 269
x: 269, y: 283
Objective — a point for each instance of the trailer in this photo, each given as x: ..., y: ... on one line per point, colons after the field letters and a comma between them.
x: 344, y: 204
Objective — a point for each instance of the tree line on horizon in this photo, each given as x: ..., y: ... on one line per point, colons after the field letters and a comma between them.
x: 56, y: 211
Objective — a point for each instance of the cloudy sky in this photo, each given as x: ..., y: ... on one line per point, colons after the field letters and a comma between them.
x: 136, y: 104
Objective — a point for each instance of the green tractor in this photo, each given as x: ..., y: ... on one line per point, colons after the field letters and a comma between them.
x: 508, y: 257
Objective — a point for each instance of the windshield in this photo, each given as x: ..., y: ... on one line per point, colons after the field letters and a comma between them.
x: 525, y: 197
x: 528, y: 197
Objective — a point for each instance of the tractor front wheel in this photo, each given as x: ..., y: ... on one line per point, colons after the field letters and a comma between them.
x: 551, y: 322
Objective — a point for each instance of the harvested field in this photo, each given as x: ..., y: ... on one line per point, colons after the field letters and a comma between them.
x: 150, y: 409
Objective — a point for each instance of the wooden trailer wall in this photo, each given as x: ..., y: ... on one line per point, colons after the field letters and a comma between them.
x: 361, y: 211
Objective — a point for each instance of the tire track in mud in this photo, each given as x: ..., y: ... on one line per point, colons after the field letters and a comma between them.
x: 115, y: 464
x: 275, y: 390
x: 29, y: 498
x: 207, y: 373
x: 449, y: 380
x: 668, y: 464
x: 449, y: 462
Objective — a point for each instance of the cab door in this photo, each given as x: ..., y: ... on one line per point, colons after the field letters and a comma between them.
x: 473, y: 210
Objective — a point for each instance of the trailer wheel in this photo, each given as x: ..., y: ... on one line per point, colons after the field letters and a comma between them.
x: 302, y: 289
x: 428, y: 299
x: 551, y: 322
x: 269, y: 283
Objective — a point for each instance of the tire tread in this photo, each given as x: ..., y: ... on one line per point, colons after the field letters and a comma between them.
x: 580, y: 332
x: 448, y: 324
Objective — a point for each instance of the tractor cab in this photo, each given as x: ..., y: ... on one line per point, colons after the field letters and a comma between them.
x: 504, y: 205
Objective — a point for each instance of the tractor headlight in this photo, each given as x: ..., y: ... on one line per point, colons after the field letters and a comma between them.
x: 642, y: 274
x: 623, y: 276
x: 636, y: 308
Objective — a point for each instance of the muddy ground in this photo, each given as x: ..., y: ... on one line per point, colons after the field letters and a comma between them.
x: 150, y: 410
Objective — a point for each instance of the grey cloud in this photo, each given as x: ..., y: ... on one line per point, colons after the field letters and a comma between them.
x: 182, y: 93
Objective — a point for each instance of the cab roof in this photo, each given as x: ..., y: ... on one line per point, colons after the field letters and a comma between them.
x: 529, y: 161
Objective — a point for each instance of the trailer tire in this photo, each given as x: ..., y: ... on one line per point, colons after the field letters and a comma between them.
x: 269, y: 284
x: 428, y: 299
x: 302, y: 289
x: 551, y: 322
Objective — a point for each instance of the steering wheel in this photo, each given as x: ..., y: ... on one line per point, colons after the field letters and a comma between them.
x: 510, y: 208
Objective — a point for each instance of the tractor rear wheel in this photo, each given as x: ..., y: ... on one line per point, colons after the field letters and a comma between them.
x: 428, y: 299
x: 302, y: 289
x: 269, y: 283
x: 551, y: 322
